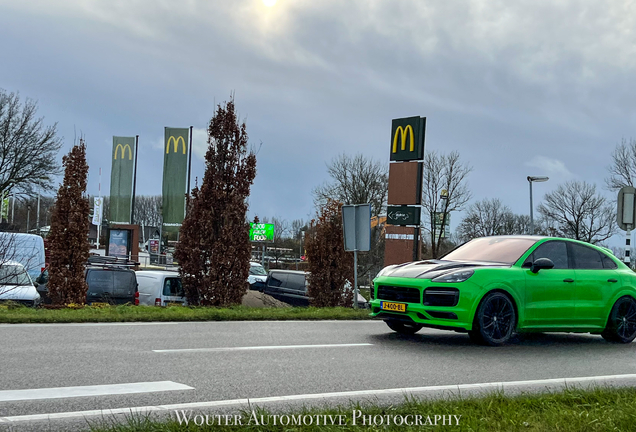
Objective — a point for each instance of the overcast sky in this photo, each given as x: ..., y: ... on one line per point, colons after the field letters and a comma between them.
x: 530, y: 87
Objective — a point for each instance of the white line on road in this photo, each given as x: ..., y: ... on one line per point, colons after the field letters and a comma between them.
x: 544, y: 383
x: 266, y: 347
x: 96, y: 390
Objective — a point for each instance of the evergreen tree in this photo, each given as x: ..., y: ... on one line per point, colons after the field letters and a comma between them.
x: 214, y: 249
x: 68, y: 238
x: 329, y: 265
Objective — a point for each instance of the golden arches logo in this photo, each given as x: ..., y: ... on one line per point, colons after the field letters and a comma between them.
x: 123, y: 151
x: 175, y: 142
x: 403, y: 133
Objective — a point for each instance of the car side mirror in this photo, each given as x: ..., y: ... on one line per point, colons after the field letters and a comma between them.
x: 541, y: 263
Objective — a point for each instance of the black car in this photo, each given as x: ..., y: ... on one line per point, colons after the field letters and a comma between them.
x: 110, y: 281
x: 290, y: 286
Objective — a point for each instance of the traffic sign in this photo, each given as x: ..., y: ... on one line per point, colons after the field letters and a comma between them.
x: 626, y: 214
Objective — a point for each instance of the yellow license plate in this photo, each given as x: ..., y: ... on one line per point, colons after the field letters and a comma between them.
x: 395, y: 307
x: 174, y: 304
x: 98, y: 304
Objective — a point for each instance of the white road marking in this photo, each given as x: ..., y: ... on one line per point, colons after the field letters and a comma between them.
x: 557, y: 382
x: 254, y: 348
x: 96, y: 390
x: 313, y: 322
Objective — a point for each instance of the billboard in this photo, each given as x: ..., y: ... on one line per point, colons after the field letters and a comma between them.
x: 121, y: 180
x: 175, y: 173
x: 261, y: 232
x: 118, y: 243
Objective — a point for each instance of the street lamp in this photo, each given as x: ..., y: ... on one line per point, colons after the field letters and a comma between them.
x: 532, y: 179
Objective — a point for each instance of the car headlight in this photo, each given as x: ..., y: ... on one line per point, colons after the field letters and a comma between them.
x: 455, y: 277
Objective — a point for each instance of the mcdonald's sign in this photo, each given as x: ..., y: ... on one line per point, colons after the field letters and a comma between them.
x: 175, y: 174
x: 407, y: 138
x: 175, y: 144
x: 123, y: 149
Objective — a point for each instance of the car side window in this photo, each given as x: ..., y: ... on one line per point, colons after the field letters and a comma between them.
x: 296, y: 282
x: 608, y: 263
x: 586, y: 258
x: 277, y: 279
x: 555, y: 251
x: 172, y: 287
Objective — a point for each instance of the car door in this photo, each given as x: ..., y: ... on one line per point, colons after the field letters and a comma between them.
x: 550, y: 293
x: 296, y: 290
x: 275, y: 285
x: 596, y: 280
x: 173, y: 293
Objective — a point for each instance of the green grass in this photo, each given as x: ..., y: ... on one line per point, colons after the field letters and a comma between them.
x: 16, y: 315
x: 602, y: 409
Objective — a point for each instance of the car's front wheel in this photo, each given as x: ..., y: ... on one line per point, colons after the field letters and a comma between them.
x: 495, y: 320
x: 403, y: 328
x: 621, y: 325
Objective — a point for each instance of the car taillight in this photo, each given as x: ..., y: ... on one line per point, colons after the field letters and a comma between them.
x: 157, y: 301
x: 137, y: 298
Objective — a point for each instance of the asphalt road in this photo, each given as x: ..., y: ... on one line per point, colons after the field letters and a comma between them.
x: 226, y: 361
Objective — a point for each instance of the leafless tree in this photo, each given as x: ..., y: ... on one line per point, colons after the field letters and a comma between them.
x: 623, y: 168
x: 355, y: 180
x: 28, y: 149
x: 358, y: 180
x: 487, y: 217
x: 442, y: 173
x: 579, y: 212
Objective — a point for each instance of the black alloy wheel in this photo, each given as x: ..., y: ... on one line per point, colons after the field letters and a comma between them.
x: 621, y: 325
x: 403, y: 328
x: 495, y: 320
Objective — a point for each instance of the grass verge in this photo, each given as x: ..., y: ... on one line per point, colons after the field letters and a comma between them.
x: 15, y: 315
x: 573, y: 410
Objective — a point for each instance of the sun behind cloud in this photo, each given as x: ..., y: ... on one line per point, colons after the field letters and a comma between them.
x: 269, y: 3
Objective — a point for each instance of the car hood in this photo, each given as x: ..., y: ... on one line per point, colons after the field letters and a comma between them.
x: 430, y: 269
x: 19, y: 292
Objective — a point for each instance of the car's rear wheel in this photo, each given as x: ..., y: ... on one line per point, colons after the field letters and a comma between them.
x: 621, y: 325
x: 403, y: 328
x: 495, y: 320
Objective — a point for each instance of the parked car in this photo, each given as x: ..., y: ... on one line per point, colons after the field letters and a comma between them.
x: 257, y: 276
x: 16, y: 284
x: 290, y: 286
x: 160, y: 288
x: 492, y: 287
x: 27, y: 249
x: 111, y: 281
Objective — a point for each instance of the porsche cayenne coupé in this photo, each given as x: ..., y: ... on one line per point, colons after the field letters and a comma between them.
x: 492, y: 287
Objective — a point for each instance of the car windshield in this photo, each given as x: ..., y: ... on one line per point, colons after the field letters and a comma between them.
x: 258, y: 271
x: 14, y: 275
x: 505, y: 250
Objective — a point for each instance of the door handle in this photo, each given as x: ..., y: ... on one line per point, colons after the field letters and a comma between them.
x: 568, y: 280
x: 612, y: 280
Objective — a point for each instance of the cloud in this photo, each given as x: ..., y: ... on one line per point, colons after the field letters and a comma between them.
x: 550, y: 166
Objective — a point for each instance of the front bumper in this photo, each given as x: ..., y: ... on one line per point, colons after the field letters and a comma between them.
x: 426, y: 313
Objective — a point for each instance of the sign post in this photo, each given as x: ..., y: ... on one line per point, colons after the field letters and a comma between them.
x: 405, y: 190
x: 625, y: 217
x: 356, y: 223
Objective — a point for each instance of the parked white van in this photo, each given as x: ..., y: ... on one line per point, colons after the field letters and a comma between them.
x: 27, y: 249
x: 160, y: 288
x: 16, y: 285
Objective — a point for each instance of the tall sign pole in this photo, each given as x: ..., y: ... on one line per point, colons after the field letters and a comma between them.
x: 405, y: 190
x: 356, y: 224
x: 625, y: 217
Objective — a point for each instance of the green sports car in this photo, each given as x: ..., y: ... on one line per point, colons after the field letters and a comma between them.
x: 492, y: 287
